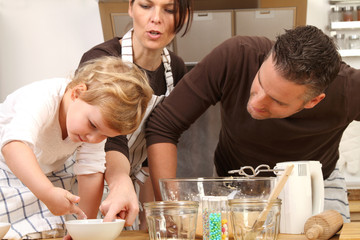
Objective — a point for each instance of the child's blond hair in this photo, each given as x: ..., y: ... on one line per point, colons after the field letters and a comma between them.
x: 119, y: 89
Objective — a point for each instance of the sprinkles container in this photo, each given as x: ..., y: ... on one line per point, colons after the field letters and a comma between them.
x: 215, y: 218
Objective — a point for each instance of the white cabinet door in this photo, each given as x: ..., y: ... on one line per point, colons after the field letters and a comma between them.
x: 264, y: 22
x: 208, y: 29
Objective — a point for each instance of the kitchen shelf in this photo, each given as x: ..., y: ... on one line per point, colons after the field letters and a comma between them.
x: 349, y: 52
x: 345, y: 25
x: 343, y: 1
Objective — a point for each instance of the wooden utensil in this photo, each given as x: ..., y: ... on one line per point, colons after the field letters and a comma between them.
x: 323, y: 225
x: 273, y: 195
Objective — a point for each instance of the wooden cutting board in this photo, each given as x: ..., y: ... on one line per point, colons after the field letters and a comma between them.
x: 350, y: 231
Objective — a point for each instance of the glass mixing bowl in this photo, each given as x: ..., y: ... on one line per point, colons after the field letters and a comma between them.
x: 193, y: 189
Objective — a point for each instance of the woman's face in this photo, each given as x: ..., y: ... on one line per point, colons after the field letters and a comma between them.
x: 153, y: 22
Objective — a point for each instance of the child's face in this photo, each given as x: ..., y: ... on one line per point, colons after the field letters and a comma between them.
x: 85, y: 123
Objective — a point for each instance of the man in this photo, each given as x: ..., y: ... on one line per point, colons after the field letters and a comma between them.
x: 279, y: 102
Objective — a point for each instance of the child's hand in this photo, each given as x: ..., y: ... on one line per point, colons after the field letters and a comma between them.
x: 61, y: 202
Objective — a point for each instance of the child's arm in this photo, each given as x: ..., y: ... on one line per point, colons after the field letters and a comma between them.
x: 91, y: 187
x: 22, y: 162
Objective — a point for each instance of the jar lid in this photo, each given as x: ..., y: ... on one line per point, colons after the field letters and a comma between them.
x: 339, y: 36
x: 349, y: 8
x: 337, y: 9
x: 354, y: 37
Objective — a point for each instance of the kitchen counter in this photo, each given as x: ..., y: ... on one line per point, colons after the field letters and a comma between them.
x: 350, y: 231
x: 142, y: 235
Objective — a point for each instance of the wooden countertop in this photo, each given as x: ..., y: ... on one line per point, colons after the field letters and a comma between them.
x: 142, y: 235
x: 350, y: 231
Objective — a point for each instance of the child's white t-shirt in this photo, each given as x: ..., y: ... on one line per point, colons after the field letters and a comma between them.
x: 30, y: 115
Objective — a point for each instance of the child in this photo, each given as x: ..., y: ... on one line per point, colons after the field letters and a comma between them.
x: 44, y: 123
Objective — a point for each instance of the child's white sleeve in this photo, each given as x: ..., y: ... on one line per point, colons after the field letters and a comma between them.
x: 90, y: 158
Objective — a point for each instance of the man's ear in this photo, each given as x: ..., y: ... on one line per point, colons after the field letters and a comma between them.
x: 77, y: 90
x: 313, y: 102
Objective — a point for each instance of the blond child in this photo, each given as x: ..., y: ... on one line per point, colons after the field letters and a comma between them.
x: 44, y: 123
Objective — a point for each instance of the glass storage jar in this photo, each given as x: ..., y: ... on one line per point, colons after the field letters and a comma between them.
x: 336, y: 14
x: 171, y: 219
x: 354, y: 41
x: 340, y: 40
x: 348, y: 14
x: 244, y: 213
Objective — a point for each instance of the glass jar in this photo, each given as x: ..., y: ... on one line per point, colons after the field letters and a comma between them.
x: 171, y: 219
x: 339, y: 39
x: 215, y: 217
x: 354, y: 41
x: 336, y: 14
x: 244, y: 213
x: 358, y: 13
x: 348, y: 14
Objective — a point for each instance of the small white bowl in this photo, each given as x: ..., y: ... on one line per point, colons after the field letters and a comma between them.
x: 94, y: 229
x: 4, y: 228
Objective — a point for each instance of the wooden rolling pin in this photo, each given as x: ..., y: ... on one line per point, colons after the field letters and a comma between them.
x: 323, y: 225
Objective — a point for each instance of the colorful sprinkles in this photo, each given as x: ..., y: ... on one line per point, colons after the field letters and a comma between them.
x: 215, y: 223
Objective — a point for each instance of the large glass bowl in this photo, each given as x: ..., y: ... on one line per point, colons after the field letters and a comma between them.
x: 193, y: 189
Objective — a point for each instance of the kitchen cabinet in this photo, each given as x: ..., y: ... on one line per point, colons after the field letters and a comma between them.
x: 121, y: 23
x: 264, y: 22
x: 208, y: 29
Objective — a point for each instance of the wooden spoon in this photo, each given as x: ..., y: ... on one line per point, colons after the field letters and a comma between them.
x: 273, y: 195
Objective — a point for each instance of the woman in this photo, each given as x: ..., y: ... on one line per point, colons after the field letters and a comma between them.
x: 155, y: 23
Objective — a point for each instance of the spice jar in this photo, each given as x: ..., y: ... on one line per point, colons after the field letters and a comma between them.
x: 348, y: 14
x: 358, y: 12
x: 354, y: 41
x: 340, y: 40
x: 336, y: 14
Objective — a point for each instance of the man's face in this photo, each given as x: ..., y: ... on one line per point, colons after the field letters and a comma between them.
x: 272, y: 96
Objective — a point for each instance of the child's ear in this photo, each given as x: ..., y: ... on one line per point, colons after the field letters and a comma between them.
x: 77, y: 90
